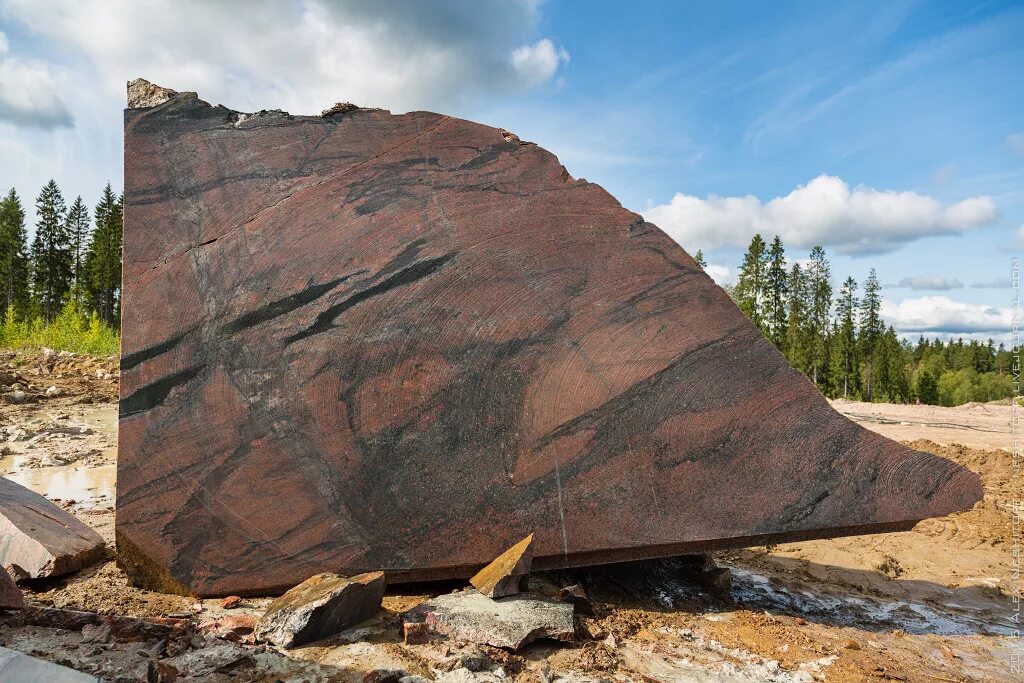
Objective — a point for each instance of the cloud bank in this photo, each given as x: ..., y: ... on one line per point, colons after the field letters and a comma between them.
x: 942, y: 315
x: 825, y: 211
x: 930, y: 282
x: 29, y: 92
x: 304, y: 55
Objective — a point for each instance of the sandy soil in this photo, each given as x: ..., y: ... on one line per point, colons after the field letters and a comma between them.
x: 977, y: 425
x: 932, y: 604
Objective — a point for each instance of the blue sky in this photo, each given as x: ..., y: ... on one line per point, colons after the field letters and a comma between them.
x: 891, y: 132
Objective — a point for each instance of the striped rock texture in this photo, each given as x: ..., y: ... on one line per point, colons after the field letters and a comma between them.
x: 366, y: 341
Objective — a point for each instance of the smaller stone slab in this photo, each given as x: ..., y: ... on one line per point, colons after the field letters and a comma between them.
x: 38, y: 539
x: 11, y: 596
x: 320, y: 606
x: 20, y: 667
x: 509, y: 622
x: 502, y: 576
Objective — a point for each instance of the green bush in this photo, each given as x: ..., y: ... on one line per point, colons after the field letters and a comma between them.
x: 69, y: 331
x: 963, y: 386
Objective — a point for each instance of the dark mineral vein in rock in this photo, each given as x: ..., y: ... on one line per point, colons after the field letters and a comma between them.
x: 368, y: 342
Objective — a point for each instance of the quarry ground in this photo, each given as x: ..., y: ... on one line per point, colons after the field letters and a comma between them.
x: 932, y: 604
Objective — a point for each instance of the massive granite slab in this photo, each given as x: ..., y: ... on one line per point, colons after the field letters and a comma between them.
x: 366, y: 341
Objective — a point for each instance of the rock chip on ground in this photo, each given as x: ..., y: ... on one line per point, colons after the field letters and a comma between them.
x: 321, y: 606
x: 234, y: 627
x: 503, y: 576
x: 39, y: 539
x: 508, y: 622
x: 231, y: 602
x: 578, y: 598
x: 11, y: 596
x: 208, y: 660
x: 385, y: 676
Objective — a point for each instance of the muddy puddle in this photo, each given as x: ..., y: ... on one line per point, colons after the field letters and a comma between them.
x: 65, y: 456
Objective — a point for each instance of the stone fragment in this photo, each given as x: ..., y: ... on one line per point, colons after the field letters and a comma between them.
x: 231, y: 602
x: 503, y: 576
x: 208, y: 660
x: 143, y: 94
x: 507, y: 622
x: 38, y: 539
x: 319, y: 607
x: 467, y: 676
x: 11, y: 596
x: 415, y: 633
x: 384, y: 675
x: 578, y: 598
x: 96, y: 633
x: 472, y: 658
x: 234, y: 627
x: 420, y: 339
x: 18, y: 667
x: 121, y: 627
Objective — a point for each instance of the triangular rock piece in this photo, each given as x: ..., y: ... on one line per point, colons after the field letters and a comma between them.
x: 502, y: 576
x: 403, y: 342
x: 11, y: 596
x: 319, y: 607
x: 38, y: 539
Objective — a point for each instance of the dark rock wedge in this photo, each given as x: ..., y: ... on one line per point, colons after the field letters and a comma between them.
x: 368, y: 341
x: 503, y: 576
x: 510, y: 623
x: 319, y: 607
x: 11, y: 596
x: 38, y: 539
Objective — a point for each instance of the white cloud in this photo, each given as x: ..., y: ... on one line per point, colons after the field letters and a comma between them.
x: 934, y: 282
x: 825, y: 211
x: 29, y: 92
x: 723, y: 275
x: 304, y: 55
x: 940, y: 314
x: 1015, y: 141
x: 1018, y: 235
x: 538, y: 63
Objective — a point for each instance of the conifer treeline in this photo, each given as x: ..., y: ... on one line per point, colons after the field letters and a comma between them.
x: 72, y: 259
x: 841, y: 343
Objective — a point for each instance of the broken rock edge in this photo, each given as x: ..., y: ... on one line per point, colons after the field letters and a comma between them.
x: 335, y: 111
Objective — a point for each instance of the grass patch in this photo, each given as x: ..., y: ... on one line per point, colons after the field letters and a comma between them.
x: 69, y: 331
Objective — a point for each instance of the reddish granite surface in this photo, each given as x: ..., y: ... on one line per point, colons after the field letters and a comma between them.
x: 373, y: 342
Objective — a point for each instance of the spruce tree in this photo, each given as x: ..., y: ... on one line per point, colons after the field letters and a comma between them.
x: 749, y: 291
x: 14, y: 263
x: 871, y: 330
x: 103, y: 258
x: 845, y: 375
x: 819, y: 284
x: 927, y: 388
x: 775, y: 292
x: 78, y: 230
x: 796, y: 324
x: 699, y: 258
x: 892, y: 383
x: 51, y: 253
